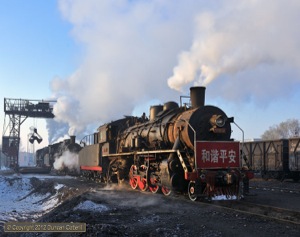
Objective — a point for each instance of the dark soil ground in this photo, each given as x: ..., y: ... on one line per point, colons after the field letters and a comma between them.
x: 120, y: 211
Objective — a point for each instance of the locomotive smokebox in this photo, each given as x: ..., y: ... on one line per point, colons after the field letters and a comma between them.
x: 72, y: 139
x: 197, y: 95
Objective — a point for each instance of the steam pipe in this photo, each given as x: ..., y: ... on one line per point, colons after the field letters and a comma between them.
x: 175, y: 147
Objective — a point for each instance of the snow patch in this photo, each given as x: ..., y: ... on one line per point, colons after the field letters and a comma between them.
x: 59, y: 186
x: 19, y: 201
x: 224, y: 197
x: 91, y: 206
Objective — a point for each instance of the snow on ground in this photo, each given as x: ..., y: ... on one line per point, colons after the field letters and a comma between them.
x: 21, y: 200
x: 91, y: 206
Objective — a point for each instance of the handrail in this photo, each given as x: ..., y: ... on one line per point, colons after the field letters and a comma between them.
x: 194, y: 131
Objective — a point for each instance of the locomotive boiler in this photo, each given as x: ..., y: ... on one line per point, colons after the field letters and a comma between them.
x: 186, y: 148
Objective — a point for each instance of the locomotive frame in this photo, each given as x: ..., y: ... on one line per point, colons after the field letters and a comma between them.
x: 179, y: 149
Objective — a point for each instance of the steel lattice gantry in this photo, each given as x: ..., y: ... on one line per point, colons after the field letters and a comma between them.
x: 18, y: 110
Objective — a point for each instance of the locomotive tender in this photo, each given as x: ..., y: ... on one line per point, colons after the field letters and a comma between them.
x: 184, y: 149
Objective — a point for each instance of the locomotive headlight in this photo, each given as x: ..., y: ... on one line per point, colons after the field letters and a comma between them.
x: 217, y: 120
x: 220, y: 121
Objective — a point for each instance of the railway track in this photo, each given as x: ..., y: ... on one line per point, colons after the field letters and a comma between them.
x: 251, y: 208
x: 246, y: 207
x: 271, y: 212
x: 276, y: 189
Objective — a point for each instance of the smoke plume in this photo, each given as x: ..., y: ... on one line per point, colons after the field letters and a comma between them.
x: 129, y: 49
x: 243, y: 36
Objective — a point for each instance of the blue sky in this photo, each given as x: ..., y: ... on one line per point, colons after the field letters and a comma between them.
x: 105, y: 59
x: 35, y: 47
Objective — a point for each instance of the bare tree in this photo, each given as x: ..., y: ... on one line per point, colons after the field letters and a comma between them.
x: 287, y: 129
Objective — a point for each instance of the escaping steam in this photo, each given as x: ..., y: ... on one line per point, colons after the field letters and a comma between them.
x: 242, y: 35
x: 67, y: 160
x: 130, y: 47
x: 128, y: 50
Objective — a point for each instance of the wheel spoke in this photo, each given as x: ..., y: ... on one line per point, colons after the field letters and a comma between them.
x: 143, y: 184
x: 166, y: 191
x: 133, y: 182
x: 154, y: 189
x: 192, y: 191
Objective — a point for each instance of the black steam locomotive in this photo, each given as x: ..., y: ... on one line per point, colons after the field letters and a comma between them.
x: 184, y: 149
x: 45, y: 157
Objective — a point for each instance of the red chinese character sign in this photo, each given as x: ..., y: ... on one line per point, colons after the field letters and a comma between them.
x: 218, y: 155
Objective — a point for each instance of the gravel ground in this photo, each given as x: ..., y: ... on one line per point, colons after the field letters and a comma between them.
x: 120, y: 211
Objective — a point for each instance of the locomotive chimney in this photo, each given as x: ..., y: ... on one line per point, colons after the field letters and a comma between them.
x: 72, y: 139
x: 197, y: 96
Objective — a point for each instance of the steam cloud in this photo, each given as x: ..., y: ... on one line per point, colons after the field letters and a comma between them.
x: 67, y: 160
x: 242, y: 35
x: 131, y: 47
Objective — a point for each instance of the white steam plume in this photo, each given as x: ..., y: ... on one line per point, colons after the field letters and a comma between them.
x: 129, y: 48
x: 67, y: 160
x: 240, y: 36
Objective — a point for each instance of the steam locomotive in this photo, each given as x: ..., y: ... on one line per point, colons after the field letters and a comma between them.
x: 184, y: 149
x: 45, y: 157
